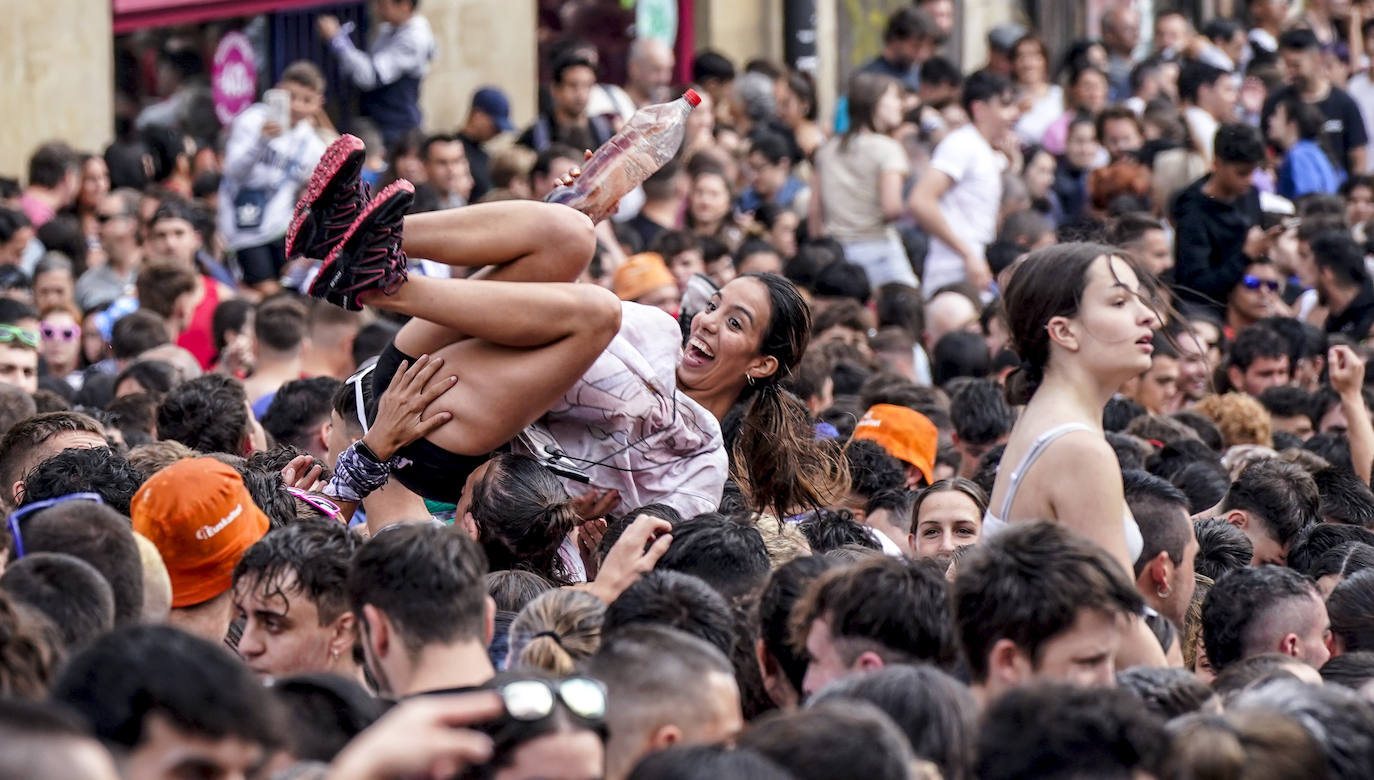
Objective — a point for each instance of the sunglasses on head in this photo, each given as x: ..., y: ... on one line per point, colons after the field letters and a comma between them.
x: 60, y: 332
x: 329, y: 508
x: 10, y: 333
x: 531, y: 700
x: 1255, y: 283
x: 17, y: 517
x: 357, y: 380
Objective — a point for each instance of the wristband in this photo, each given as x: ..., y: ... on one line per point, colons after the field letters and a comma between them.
x: 356, y: 476
x: 367, y: 452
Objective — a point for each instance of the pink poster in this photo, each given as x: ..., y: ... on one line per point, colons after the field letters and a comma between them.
x: 234, y: 77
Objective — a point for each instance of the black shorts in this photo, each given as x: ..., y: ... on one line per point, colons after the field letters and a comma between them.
x: 434, y: 472
x: 262, y: 263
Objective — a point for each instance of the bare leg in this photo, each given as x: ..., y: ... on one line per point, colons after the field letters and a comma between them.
x: 527, y: 345
x: 527, y: 241
x: 519, y: 241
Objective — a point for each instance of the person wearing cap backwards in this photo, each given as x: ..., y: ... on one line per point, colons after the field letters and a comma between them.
x: 645, y: 279
x: 201, y: 518
x: 488, y: 118
x: 907, y: 435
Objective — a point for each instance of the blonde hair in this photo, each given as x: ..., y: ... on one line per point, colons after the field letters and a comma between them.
x: 784, y: 541
x: 556, y: 631
x: 1241, y: 419
x: 155, y: 456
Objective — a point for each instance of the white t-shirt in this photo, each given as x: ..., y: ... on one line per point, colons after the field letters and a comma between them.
x: 628, y: 427
x: 1362, y: 90
x: 970, y: 206
x: 271, y: 171
x: 1031, y: 127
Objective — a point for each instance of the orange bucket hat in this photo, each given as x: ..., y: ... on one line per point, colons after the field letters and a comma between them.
x: 201, y: 518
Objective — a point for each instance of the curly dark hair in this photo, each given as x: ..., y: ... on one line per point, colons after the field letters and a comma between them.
x: 100, y: 470
x: 208, y: 414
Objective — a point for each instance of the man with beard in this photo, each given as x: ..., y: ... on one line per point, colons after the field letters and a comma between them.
x: 1343, y: 285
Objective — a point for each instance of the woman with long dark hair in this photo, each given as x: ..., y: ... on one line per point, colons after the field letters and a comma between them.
x: 642, y: 417
x: 1080, y: 318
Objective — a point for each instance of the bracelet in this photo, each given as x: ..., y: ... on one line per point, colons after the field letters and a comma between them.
x: 356, y: 476
x: 367, y: 452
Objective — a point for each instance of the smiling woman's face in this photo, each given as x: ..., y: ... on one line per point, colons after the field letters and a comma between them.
x: 725, y: 337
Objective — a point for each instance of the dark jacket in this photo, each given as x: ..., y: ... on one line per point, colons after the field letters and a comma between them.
x: 1208, y: 238
x: 1357, y: 318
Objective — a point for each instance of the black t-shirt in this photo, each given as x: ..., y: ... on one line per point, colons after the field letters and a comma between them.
x: 1344, y: 129
x: 480, y: 164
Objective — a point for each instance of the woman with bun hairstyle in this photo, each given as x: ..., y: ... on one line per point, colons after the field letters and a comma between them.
x: 1081, y: 322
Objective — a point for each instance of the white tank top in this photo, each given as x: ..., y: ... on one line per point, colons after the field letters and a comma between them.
x: 993, y: 525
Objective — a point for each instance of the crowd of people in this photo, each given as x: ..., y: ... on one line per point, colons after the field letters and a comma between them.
x: 341, y: 455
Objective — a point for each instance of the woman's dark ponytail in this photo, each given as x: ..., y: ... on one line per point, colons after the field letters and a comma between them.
x: 778, y: 463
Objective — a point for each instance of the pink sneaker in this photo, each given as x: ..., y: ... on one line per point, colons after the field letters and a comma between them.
x: 369, y: 255
x: 331, y: 200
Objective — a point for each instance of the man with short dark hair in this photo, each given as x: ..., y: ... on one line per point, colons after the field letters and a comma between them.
x: 54, y: 180
x: 770, y: 159
x: 210, y: 414
x: 121, y: 238
x: 38, y: 438
x: 674, y: 600
x: 958, y: 200
x: 290, y: 589
x: 1066, y: 732
x: 1290, y: 410
x: 836, y: 738
x: 1271, y: 501
x: 1343, y: 132
x: 1258, y: 361
x: 1217, y: 221
x: 268, y: 157
x: 70, y: 592
x: 299, y: 414
x: 782, y: 664
x: 568, y: 123
x: 664, y: 688
x: 97, y: 535
x: 1255, y: 296
x: 1164, y: 570
x: 1265, y: 609
x: 419, y: 594
x: 19, y: 357
x: 279, y: 331
x: 1343, y: 285
x: 448, y: 177
x: 1209, y: 96
x: 1038, y: 602
x: 98, y: 470
x: 727, y: 553
x: 872, y: 614
x: 982, y: 420
x: 909, y: 39
x: 171, y: 705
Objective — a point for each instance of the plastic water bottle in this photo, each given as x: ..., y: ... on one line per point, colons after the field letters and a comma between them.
x: 646, y: 143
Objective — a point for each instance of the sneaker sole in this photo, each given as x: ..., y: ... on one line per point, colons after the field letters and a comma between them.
x: 395, y: 197
x: 346, y: 155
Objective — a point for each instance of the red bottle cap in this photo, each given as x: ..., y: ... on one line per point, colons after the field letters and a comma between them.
x: 693, y: 97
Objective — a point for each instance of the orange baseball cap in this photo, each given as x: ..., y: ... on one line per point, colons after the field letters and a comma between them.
x: 641, y: 274
x: 906, y: 434
x: 201, y: 518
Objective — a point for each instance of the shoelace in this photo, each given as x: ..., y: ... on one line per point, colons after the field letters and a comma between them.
x: 342, y: 213
x: 382, y: 265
